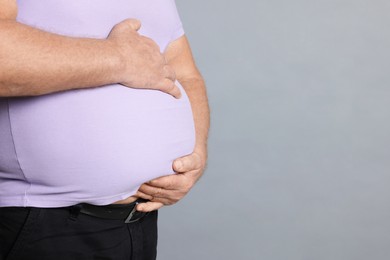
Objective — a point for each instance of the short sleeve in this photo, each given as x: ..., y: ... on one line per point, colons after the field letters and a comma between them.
x: 178, y: 29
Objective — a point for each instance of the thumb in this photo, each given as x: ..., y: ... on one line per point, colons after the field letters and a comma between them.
x: 134, y: 24
x: 149, y: 206
x: 187, y: 163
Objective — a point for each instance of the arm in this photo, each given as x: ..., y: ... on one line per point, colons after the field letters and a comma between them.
x: 35, y: 62
x: 170, y: 189
x: 180, y: 57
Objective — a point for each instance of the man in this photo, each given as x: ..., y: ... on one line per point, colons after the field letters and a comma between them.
x: 91, y: 117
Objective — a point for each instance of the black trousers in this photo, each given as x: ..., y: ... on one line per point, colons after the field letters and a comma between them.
x: 57, y: 233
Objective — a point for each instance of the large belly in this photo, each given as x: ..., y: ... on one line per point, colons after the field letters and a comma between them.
x: 100, y: 142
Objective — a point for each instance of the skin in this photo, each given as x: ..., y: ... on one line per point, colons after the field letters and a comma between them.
x: 35, y: 62
x: 170, y: 189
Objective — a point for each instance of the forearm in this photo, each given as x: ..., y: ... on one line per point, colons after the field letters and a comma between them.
x: 179, y: 55
x: 196, y: 91
x: 34, y: 62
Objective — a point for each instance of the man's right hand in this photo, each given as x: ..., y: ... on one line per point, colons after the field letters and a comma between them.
x: 144, y: 66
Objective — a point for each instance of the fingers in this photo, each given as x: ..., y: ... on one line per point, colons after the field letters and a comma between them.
x: 166, y: 190
x: 157, y: 192
x: 142, y: 195
x: 158, y: 197
x: 134, y: 24
x: 169, y: 73
x: 123, y: 27
x: 187, y: 163
x: 147, y: 67
x: 149, y: 206
x: 174, y: 91
x: 169, y: 85
x: 169, y: 182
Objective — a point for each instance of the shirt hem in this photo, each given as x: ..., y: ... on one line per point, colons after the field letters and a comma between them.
x: 18, y: 201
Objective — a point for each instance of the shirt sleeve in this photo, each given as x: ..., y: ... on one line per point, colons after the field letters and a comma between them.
x: 178, y: 29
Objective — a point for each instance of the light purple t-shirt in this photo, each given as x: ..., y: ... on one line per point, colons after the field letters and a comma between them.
x: 95, y: 145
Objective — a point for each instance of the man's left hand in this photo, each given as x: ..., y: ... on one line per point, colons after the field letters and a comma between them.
x: 168, y: 190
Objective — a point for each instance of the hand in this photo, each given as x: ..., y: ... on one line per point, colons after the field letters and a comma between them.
x: 168, y: 190
x: 143, y: 64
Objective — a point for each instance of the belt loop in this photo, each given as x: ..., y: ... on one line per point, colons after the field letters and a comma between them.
x: 74, y: 212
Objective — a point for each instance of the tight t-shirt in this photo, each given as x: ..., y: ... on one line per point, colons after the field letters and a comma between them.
x: 95, y: 145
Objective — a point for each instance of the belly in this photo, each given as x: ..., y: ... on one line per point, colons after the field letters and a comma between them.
x: 99, y: 142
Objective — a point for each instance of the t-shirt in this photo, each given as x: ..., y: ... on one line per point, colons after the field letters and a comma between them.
x: 95, y: 145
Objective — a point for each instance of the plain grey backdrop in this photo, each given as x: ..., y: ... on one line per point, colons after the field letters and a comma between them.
x: 299, y: 147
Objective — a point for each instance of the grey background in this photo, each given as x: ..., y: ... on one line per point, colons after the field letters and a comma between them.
x: 299, y: 147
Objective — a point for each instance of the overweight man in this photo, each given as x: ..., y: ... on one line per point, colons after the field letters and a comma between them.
x: 103, y: 120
